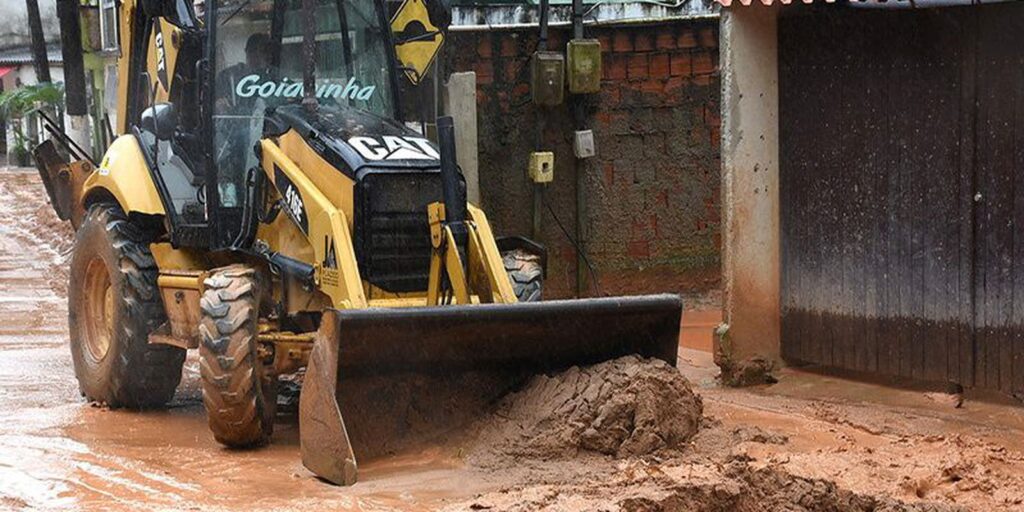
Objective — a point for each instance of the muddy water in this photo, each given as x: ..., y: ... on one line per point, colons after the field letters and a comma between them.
x: 58, y: 452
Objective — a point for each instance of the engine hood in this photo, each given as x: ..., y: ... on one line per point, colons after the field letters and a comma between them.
x: 353, y: 140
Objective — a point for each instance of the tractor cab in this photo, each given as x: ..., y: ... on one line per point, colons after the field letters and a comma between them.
x: 207, y: 80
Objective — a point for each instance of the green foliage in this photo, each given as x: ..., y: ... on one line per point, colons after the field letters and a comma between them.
x: 18, y: 103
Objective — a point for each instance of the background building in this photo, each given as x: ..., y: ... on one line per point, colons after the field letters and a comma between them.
x: 872, y: 171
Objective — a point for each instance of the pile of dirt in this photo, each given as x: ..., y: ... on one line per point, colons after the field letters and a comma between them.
x: 626, y: 407
x: 690, y: 483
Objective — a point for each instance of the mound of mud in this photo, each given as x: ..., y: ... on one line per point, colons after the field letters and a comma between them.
x: 700, y: 486
x: 624, y: 407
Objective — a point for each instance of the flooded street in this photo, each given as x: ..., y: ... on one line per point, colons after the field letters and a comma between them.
x: 864, y: 443
x: 58, y: 452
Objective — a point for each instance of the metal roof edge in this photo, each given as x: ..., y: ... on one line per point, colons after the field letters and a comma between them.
x: 521, y: 16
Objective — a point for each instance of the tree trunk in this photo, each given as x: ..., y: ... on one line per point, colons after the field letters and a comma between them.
x: 74, y: 73
x: 39, y: 59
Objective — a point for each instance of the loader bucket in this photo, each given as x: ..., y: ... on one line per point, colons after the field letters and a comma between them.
x: 378, y: 379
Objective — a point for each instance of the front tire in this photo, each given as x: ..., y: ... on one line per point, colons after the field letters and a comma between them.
x: 113, y: 305
x: 238, y: 395
x: 526, y: 274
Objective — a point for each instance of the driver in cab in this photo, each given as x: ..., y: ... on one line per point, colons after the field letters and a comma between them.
x: 258, y: 49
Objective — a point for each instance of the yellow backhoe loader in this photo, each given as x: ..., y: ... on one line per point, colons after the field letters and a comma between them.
x: 265, y: 203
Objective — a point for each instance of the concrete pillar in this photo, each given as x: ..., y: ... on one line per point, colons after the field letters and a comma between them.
x: 749, y: 339
x: 460, y: 103
x: 78, y: 129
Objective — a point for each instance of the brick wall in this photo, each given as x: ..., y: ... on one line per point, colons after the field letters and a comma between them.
x: 652, y: 191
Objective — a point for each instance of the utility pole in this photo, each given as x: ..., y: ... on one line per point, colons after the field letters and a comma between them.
x: 35, y: 26
x: 74, y: 72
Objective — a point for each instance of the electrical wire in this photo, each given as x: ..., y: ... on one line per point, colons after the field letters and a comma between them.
x: 575, y: 244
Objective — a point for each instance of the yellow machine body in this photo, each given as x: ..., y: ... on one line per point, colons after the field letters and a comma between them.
x: 461, y: 324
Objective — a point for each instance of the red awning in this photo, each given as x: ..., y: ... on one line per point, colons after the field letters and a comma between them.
x: 4, y: 70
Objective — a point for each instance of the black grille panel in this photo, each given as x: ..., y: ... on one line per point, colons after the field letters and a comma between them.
x: 392, y: 234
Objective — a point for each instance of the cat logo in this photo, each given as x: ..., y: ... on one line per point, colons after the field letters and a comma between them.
x: 391, y: 147
x: 417, y: 40
x: 161, y: 56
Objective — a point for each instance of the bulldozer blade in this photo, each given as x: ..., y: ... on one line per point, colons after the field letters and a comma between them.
x: 369, y: 368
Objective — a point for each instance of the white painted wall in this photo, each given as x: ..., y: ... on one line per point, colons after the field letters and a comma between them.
x: 14, y: 22
x: 27, y: 74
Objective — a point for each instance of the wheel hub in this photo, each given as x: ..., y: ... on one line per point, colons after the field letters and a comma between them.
x: 99, y: 309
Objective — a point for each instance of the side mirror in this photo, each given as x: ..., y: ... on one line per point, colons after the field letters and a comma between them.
x: 160, y: 120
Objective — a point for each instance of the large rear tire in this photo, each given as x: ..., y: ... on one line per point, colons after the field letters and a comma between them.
x: 526, y: 274
x: 238, y: 395
x: 113, y: 305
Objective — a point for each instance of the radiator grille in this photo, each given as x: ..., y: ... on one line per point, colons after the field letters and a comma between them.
x: 392, y: 234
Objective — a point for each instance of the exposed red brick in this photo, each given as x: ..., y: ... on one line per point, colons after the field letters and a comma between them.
x: 653, y: 85
x: 708, y: 37
x: 513, y: 68
x: 663, y: 198
x: 610, y: 95
x: 681, y: 64
x: 637, y: 66
x: 702, y: 64
x: 639, y: 249
x: 509, y: 47
x: 697, y: 135
x: 615, y: 68
x: 665, y: 41
x: 659, y: 66
x: 621, y: 42
x: 521, y: 89
x: 711, y: 115
x: 643, y: 42
x: 674, y: 84
x: 687, y: 38
x: 483, y: 48
x: 484, y: 72
x: 639, y: 177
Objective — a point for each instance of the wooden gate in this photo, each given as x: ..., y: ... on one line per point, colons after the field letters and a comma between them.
x: 902, y: 192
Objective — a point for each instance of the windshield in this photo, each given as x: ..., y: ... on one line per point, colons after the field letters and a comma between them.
x: 259, y: 65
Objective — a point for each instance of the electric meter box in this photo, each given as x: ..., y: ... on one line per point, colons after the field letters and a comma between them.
x: 542, y: 166
x: 547, y: 78
x: 584, y: 66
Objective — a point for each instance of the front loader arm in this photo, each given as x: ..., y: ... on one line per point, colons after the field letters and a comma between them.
x: 325, y: 226
x: 484, y: 276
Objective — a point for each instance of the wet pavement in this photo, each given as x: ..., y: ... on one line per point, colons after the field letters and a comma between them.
x: 59, y: 452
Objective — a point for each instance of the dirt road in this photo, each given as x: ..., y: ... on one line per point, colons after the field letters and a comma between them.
x: 765, y: 448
